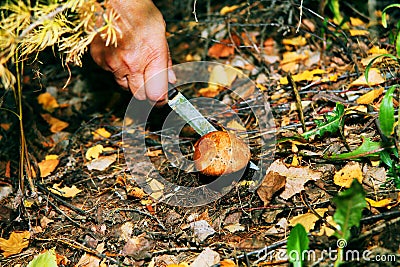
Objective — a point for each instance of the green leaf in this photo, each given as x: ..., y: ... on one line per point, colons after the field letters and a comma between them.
x: 297, y: 243
x: 368, y: 148
x: 332, y: 124
x: 386, y: 113
x: 349, y: 206
x: 384, y: 22
x: 47, y: 259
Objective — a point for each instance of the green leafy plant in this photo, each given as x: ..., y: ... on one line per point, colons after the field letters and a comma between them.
x: 297, y: 243
x: 331, y: 125
x: 368, y: 148
x: 47, y: 259
x: 29, y: 27
x: 349, y: 206
x: 384, y: 24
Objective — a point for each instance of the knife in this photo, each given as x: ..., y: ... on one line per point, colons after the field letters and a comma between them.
x: 182, y: 106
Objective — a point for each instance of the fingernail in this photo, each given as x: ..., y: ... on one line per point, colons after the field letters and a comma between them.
x: 171, y: 76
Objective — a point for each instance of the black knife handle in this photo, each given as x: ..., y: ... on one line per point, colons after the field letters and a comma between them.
x: 172, y: 91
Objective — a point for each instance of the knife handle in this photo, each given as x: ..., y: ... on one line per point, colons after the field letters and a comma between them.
x: 172, y: 91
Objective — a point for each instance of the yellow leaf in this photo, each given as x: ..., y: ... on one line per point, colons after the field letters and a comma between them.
x: 356, y: 22
x: 379, y: 204
x: 51, y: 156
x: 325, y: 230
x: 347, y: 174
x: 48, y: 102
x: 358, y: 32
x: 236, y: 126
x: 48, y: 165
x: 223, y: 75
x: 101, y: 133
x: 369, y: 97
x: 308, y: 219
x: 297, y: 41
x: 228, y: 9
x: 94, y: 152
x: 374, y: 78
x: 15, y: 243
x: 182, y: 264
x: 378, y: 51
x: 304, y: 76
x: 56, y: 125
x: 227, y: 263
x: 68, y: 192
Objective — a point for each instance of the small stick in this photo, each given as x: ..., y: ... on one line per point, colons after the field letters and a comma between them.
x: 299, y: 106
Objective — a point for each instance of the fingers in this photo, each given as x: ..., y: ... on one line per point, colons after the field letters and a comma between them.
x: 156, y: 77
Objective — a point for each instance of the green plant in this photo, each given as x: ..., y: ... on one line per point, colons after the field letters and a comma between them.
x: 297, y: 243
x: 27, y: 28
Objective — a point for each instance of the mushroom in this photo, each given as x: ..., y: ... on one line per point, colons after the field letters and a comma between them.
x: 219, y: 153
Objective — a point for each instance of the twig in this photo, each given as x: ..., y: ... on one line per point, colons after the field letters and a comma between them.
x: 62, y: 201
x: 301, y: 16
x: 194, y: 11
x: 62, y: 212
x: 377, y: 228
x: 146, y: 214
x: 298, y: 101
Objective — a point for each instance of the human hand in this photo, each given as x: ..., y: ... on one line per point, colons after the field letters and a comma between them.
x: 141, y: 52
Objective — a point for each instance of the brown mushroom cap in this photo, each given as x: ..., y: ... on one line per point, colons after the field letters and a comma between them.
x: 219, y: 153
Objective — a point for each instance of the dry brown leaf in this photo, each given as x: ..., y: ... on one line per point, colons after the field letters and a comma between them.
x: 44, y: 221
x: 15, y: 243
x: 5, y: 126
x: 369, y: 97
x: 101, y: 133
x: 374, y: 78
x: 272, y: 183
x: 136, y: 192
x: 308, y: 219
x: 138, y: 247
x: 56, y: 125
x: 88, y: 260
x: 347, y: 174
x: 94, y: 152
x: 48, y: 165
x: 224, y: 48
x: 68, y: 192
x: 153, y: 153
x: 296, y: 177
x: 48, y: 102
x: 101, y: 163
x: 237, y: 227
x: 156, y: 187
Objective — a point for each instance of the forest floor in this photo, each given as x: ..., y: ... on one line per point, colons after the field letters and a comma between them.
x: 311, y: 133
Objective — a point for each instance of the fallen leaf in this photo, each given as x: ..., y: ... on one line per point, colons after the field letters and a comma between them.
x: 296, y: 41
x: 136, y: 192
x: 88, y: 260
x: 48, y: 102
x: 68, y: 192
x: 207, y: 257
x: 237, y: 227
x: 157, y: 188
x: 224, y: 48
x: 271, y: 184
x: 44, y: 221
x: 138, y: 247
x: 308, y: 219
x: 356, y: 22
x: 48, y: 165
x: 5, y: 126
x: 202, y: 229
x: 101, y: 133
x: 227, y: 263
x: 94, y: 152
x: 126, y: 231
x: 325, y: 230
x: 377, y: 50
x: 347, y: 174
x: 379, y: 204
x: 369, y: 97
x: 15, y: 243
x: 56, y: 125
x: 374, y: 78
x: 228, y: 9
x: 304, y: 76
x: 355, y: 32
x: 220, y: 77
x: 154, y: 153
x: 296, y: 177
x: 101, y: 163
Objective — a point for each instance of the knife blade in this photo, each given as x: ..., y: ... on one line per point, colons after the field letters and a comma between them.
x: 182, y: 106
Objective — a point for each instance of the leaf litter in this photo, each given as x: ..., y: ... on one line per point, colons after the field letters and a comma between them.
x: 99, y: 216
